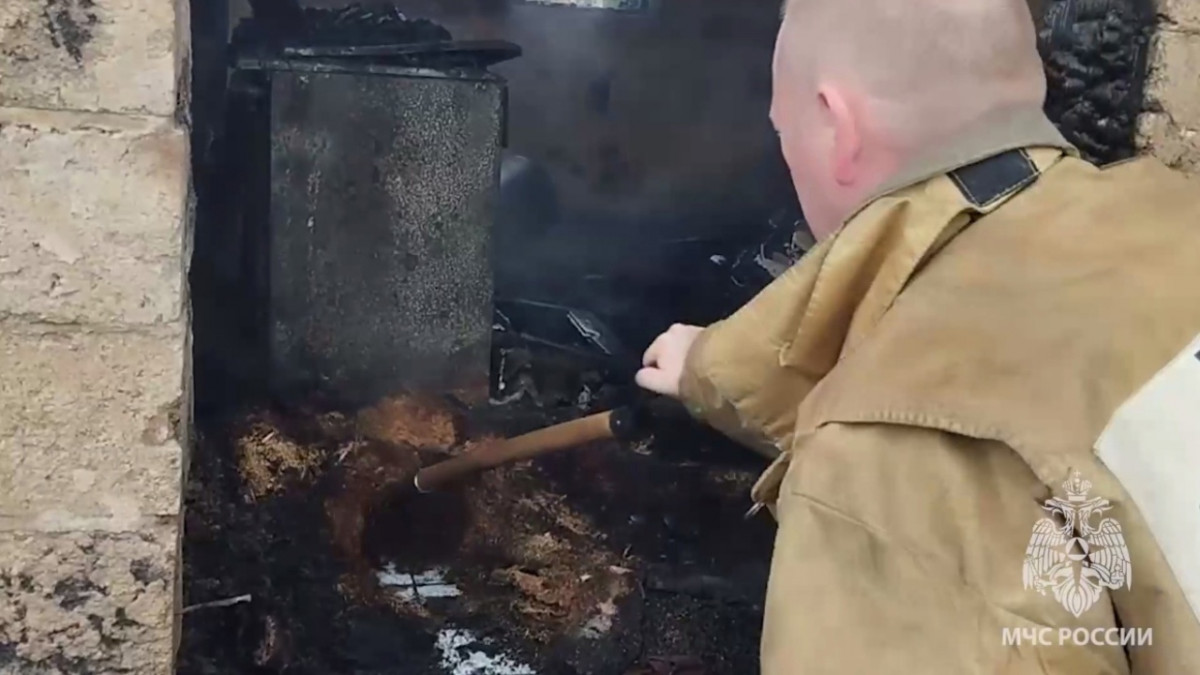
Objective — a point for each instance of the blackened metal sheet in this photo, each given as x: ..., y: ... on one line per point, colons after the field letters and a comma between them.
x: 383, y: 189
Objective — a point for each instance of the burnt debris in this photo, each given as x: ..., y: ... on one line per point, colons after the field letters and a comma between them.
x: 359, y: 35
x: 1095, y: 53
x: 553, y: 567
x: 357, y: 24
x: 374, y: 24
x: 584, y: 347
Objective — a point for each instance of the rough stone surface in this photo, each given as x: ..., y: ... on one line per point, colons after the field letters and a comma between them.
x: 86, y: 437
x: 1174, y: 145
x: 1181, y: 14
x: 87, y: 602
x: 109, y: 55
x: 1175, y: 75
x: 91, y: 220
x: 93, y: 214
x: 1170, y: 131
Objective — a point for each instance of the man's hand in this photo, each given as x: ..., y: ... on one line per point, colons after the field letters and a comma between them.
x: 663, y: 361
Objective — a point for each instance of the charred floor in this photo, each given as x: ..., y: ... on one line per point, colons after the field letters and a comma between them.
x: 601, y: 559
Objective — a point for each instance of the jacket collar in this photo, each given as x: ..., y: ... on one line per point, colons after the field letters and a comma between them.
x: 991, y: 134
x: 857, y: 273
x: 863, y: 267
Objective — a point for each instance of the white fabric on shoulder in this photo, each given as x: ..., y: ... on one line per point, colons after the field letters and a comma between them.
x: 1152, y: 446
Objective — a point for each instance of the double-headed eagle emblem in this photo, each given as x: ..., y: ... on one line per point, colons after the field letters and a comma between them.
x: 1073, y: 558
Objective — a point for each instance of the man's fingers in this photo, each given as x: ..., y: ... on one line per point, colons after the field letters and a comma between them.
x: 662, y: 360
x: 654, y: 351
x: 655, y: 380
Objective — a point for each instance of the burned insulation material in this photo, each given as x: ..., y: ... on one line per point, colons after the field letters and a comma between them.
x: 283, y: 21
x: 361, y: 36
x: 604, y: 559
x: 1095, y: 53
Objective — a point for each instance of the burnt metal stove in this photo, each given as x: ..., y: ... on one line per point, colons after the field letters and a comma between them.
x: 369, y: 158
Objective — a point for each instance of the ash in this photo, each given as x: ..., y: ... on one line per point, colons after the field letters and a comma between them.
x: 600, y: 559
x: 452, y: 644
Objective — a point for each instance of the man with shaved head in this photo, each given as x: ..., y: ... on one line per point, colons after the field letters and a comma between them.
x: 980, y: 391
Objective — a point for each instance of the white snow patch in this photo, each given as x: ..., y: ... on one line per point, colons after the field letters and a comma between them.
x: 457, y: 657
x: 431, y: 577
x: 439, y: 591
x: 388, y: 576
x: 428, y: 584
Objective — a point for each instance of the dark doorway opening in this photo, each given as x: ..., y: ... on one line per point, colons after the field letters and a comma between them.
x: 638, y: 184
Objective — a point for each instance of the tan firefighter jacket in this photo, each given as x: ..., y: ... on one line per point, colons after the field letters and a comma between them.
x: 983, y: 399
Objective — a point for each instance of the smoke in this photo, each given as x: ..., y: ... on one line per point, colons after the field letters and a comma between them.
x: 638, y: 145
x: 628, y: 131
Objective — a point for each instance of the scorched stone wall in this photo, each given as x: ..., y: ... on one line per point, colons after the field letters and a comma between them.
x: 1171, y: 126
x: 93, y: 218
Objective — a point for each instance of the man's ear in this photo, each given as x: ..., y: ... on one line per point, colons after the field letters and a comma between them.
x: 847, y: 140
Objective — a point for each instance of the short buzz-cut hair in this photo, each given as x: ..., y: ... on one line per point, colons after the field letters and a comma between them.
x: 925, y: 64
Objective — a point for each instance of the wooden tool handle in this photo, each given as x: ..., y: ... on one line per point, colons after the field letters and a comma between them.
x: 569, y: 434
